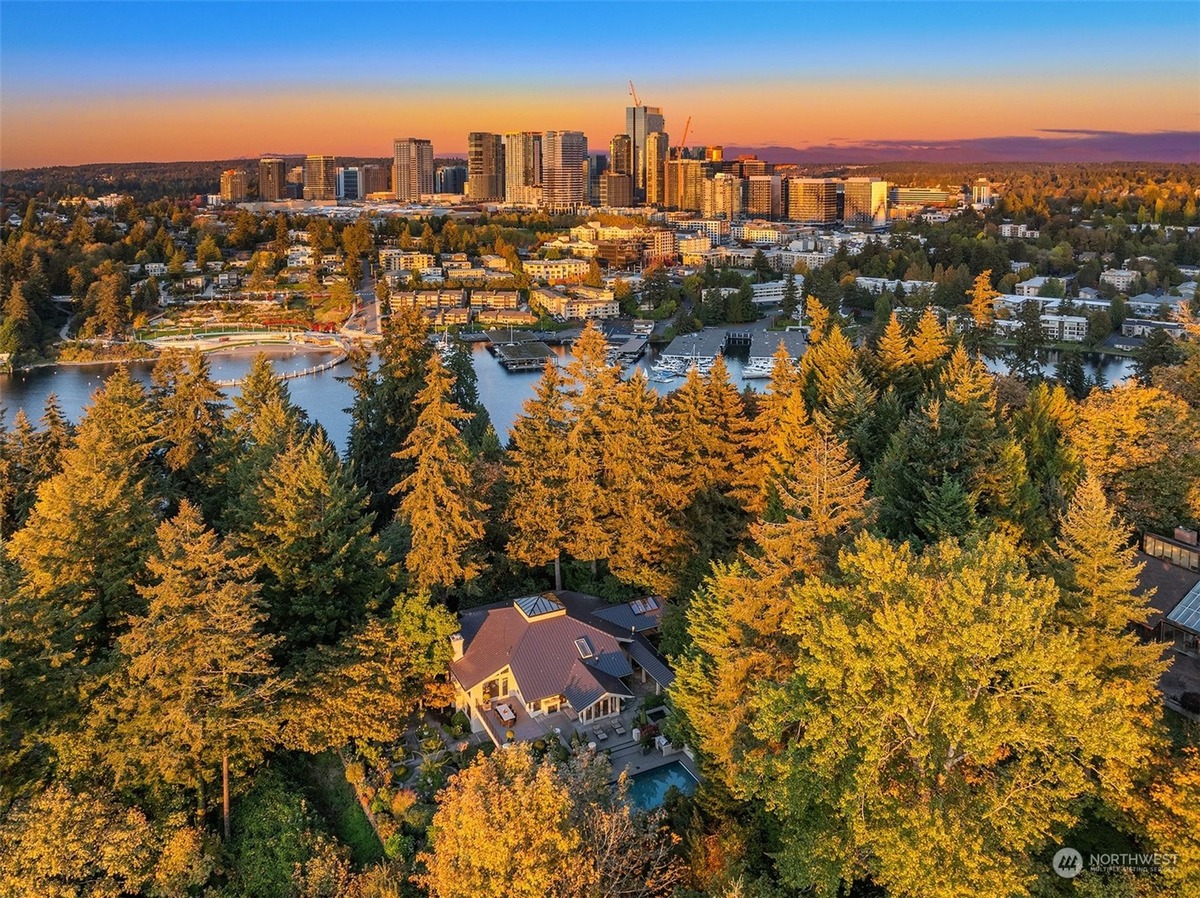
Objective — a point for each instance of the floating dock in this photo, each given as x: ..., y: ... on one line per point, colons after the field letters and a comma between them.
x: 701, y: 346
x: 528, y: 355
x: 765, y: 343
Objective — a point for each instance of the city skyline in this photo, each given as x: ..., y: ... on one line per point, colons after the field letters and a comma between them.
x: 869, y: 81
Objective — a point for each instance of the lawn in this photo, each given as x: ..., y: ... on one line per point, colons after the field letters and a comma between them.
x: 324, y: 782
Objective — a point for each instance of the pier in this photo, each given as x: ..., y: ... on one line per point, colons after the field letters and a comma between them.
x: 528, y: 355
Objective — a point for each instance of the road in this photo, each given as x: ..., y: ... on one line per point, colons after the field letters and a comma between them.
x: 366, y: 315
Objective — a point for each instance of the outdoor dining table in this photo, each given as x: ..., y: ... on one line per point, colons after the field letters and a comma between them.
x: 506, y: 713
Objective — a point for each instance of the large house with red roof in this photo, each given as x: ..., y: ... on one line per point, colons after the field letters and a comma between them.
x: 545, y: 665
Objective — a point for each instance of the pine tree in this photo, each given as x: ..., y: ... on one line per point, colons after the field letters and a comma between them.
x: 824, y: 365
x: 1027, y: 342
x: 439, y: 503
x: 791, y: 297
x: 312, y: 542
x: 706, y: 424
x: 539, y: 508
x: 198, y: 684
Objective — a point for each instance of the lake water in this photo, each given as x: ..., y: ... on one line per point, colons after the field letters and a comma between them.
x: 326, y: 397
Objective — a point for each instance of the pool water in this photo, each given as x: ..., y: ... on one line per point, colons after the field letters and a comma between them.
x: 648, y: 790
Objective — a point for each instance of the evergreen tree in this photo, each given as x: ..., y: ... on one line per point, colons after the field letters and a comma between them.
x: 1027, y: 343
x: 978, y: 337
x: 198, y: 684
x: 385, y: 411
x: 1069, y: 372
x: 466, y: 396
x: 312, y: 541
x: 929, y: 343
x: 190, y: 412
x: 791, y: 298
x: 892, y: 352
x: 439, y: 503
x: 539, y: 508
x: 706, y: 424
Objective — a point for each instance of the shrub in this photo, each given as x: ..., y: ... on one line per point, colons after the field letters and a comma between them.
x: 356, y: 773
x: 460, y: 723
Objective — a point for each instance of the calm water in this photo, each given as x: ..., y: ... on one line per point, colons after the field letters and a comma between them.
x: 326, y: 397
x: 649, y: 790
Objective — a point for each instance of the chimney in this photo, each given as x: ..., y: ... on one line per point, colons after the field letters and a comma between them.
x: 456, y: 646
x: 1185, y: 535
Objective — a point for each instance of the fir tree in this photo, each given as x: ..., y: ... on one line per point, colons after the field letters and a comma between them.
x: 198, y: 685
x: 190, y: 411
x: 312, y: 541
x: 439, y: 503
x: 539, y: 508
x: 791, y: 298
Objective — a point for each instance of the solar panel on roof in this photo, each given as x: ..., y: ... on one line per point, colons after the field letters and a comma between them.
x: 1187, y: 612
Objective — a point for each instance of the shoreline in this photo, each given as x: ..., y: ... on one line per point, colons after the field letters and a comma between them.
x: 276, y: 349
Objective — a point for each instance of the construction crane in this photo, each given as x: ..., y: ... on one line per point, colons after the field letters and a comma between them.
x: 683, y: 140
x: 633, y: 93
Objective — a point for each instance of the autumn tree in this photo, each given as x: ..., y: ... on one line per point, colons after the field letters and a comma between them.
x: 198, y: 685
x: 439, y: 503
x: 366, y: 686
x: 978, y: 337
x: 925, y: 735
x: 511, y: 825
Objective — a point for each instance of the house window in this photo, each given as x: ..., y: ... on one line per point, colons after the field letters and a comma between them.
x: 536, y: 706
x: 504, y: 686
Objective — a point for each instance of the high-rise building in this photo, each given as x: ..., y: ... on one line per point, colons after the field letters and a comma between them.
x: 293, y: 189
x: 616, y: 189
x: 812, y: 200
x: 714, y: 154
x: 320, y: 178
x: 658, y: 146
x: 564, y: 155
x: 485, y: 166
x: 684, y: 185
x: 640, y: 122
x: 523, y: 167
x: 865, y: 202
x: 722, y: 197
x: 981, y: 192
x: 375, y: 179
x: 349, y: 184
x: 764, y: 196
x: 412, y: 168
x: 620, y: 154
x: 450, y: 179
x: 748, y: 165
x: 234, y: 186
x: 272, y: 176
x: 594, y: 167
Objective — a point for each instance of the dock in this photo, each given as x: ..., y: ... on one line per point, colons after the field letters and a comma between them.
x: 630, y: 349
x: 527, y: 355
x: 764, y: 344
x: 701, y: 346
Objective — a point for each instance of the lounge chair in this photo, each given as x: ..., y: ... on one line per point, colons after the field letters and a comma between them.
x: 617, y: 728
x: 600, y: 734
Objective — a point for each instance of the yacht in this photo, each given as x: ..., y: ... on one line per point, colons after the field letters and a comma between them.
x: 758, y: 368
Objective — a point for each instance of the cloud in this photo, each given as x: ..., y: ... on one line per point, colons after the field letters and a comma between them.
x: 1048, y: 145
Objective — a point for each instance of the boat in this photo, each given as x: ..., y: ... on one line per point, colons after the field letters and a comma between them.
x: 757, y: 368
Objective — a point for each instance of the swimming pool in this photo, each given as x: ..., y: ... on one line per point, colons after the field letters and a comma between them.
x: 648, y: 790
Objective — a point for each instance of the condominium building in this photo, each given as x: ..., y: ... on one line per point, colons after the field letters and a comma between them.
x: 657, y: 146
x: 523, y: 167
x: 564, y: 155
x: 640, y: 122
x: 620, y: 154
x: 412, y: 168
x: 722, y: 197
x: 1121, y: 278
x: 765, y: 197
x: 866, y: 202
x: 272, y: 177
x: 320, y: 178
x: 234, y: 186
x: 918, y: 196
x: 616, y: 189
x: 293, y: 188
x: 812, y: 199
x: 556, y: 271
x: 485, y: 166
x: 684, y: 185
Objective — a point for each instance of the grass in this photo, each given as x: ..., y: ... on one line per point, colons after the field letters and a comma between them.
x: 324, y: 782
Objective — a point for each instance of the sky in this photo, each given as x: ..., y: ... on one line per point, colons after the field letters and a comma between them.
x: 117, y: 82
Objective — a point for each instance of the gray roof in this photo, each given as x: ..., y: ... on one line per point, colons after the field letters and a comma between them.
x: 641, y: 651
x: 633, y: 617
x: 1170, y: 583
x: 541, y: 653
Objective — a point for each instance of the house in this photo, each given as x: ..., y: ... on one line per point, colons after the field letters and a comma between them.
x: 1170, y: 581
x: 550, y: 663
